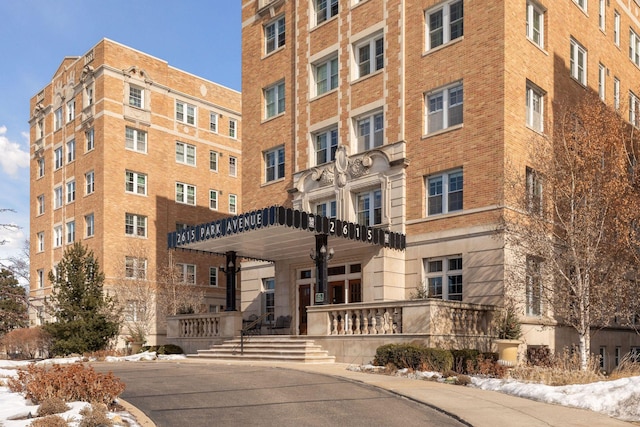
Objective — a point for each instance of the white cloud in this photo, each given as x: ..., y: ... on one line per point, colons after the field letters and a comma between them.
x: 13, y: 157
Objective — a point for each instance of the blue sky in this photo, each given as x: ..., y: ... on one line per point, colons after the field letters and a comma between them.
x: 198, y: 36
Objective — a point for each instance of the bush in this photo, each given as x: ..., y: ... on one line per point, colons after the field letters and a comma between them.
x: 540, y: 356
x: 52, y: 406
x: 95, y: 416
x: 564, y: 369
x: 69, y: 383
x: 49, y: 421
x: 465, y: 361
x: 27, y: 343
x: 164, y: 349
x: 414, y: 357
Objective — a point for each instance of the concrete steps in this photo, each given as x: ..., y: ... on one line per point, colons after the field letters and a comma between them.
x: 273, y: 348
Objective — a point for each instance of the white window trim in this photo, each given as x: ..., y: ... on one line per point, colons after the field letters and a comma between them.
x: 133, y: 143
x: 534, y: 9
x: 71, y: 110
x: 330, y: 149
x: 533, y: 93
x: 213, y: 122
x: 212, y: 199
x: 370, y: 142
x: 184, y: 157
x: 70, y: 148
x: 213, y: 272
x: 616, y: 28
x: 70, y: 232
x: 217, y: 160
x: 136, y: 230
x: 131, y: 101
x: 58, y: 197
x: 616, y: 93
x: 40, y: 204
x: 234, y: 204
x: 89, y: 225
x: 57, y: 236
x: 41, y: 245
x: 602, y: 15
x: 582, y: 4
x: 533, y: 287
x: 58, y: 158
x: 137, y: 267
x: 41, y: 167
x: 70, y: 187
x: 326, y: 14
x: 185, y: 193
x: 57, y: 119
x: 444, y: 274
x: 184, y: 273
x: 233, y: 128
x: 371, y: 195
x: 233, y: 171
x: 136, y: 187
x: 89, y: 183
x: 327, y: 63
x: 634, y: 47
x: 577, y: 48
x: 273, y: 95
x: 90, y: 139
x: 275, y: 154
x: 371, y: 43
x: 602, y: 81
x: 634, y: 109
x: 446, y: 107
x: 279, y: 28
x: 445, y: 176
x: 187, y: 118
x: 446, y: 25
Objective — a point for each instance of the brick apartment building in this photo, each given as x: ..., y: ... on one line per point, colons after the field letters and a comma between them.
x: 125, y: 149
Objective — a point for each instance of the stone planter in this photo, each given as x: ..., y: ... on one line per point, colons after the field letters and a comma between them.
x: 136, y: 346
x: 507, y: 351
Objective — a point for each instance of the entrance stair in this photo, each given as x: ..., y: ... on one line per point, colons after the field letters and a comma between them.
x: 268, y: 348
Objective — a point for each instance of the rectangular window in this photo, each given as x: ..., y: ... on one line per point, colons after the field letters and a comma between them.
x: 57, y: 197
x: 616, y: 93
x: 187, y: 273
x: 135, y: 268
x: 439, y: 271
x: 326, y: 75
x: 233, y: 166
x: 41, y: 207
x: 369, y: 208
x: 213, y: 161
x: 58, y: 158
x: 268, y: 289
x: 602, y: 75
x: 534, y: 192
x: 213, y: 200
x: 274, y: 164
x: 41, y: 165
x: 88, y: 95
x: 274, y: 100
x: 135, y: 140
x: 136, y: 96
x: 445, y: 193
x: 185, y: 193
x: 582, y: 4
x: 213, y: 122
x: 71, y: 191
x: 535, y: 23
x: 89, y: 137
x: 325, y: 9
x: 578, y: 62
x: 274, y: 35
x: 603, y: 357
x: 213, y: 276
x: 444, y: 108
x: 327, y: 209
x: 617, y: 355
x: 535, y: 107
x: 370, y: 131
x: 185, y: 113
x: 41, y: 241
x: 602, y: 15
x: 135, y: 225
x: 40, y: 278
x: 533, y: 287
x: 40, y: 129
x: 634, y: 47
x: 616, y: 28
x: 233, y: 128
x: 185, y: 153
x: 71, y: 232
x: 71, y: 151
x: 444, y: 23
x: 634, y: 109
x: 370, y: 56
x: 57, y: 119
x: 135, y: 183
x: 233, y: 203
x: 326, y: 144
x: 57, y: 236
x: 89, y: 180
x: 89, y: 225
x: 71, y: 110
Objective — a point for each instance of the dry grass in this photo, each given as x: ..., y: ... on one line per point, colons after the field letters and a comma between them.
x: 563, y: 369
x: 628, y: 367
x: 95, y: 416
x: 52, y: 406
x: 49, y: 421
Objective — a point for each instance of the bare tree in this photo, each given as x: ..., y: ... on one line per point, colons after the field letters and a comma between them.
x: 175, y: 293
x: 573, y: 213
x: 7, y: 226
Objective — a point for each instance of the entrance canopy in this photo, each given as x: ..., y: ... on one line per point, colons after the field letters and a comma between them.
x: 278, y: 233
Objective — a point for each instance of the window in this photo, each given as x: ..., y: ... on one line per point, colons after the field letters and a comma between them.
x: 634, y: 109
x: 88, y: 95
x: 369, y: 207
x: 89, y: 137
x: 40, y: 129
x: 71, y: 232
x: 616, y: 28
x: 617, y: 355
x: 57, y: 156
x: 326, y: 145
x: 533, y: 287
x: 444, y: 108
x: 439, y: 271
x: 136, y: 96
x: 445, y: 193
x: 57, y: 197
x: 603, y: 353
x: 370, y: 131
x: 444, y: 24
x: 41, y: 165
x: 327, y: 209
x: 71, y: 110
x: 274, y: 35
x: 233, y: 205
x: 370, y: 56
x: 57, y: 119
x: 89, y: 180
x: 535, y: 107
x: 634, y: 47
x: 213, y: 200
x: 213, y: 161
x: 40, y: 202
x: 185, y: 153
x: 213, y: 276
x: 534, y: 192
x: 582, y: 4
x: 57, y: 236
x: 616, y: 93
x: 274, y: 100
x: 187, y: 273
x: 274, y: 164
x: 71, y: 151
x: 135, y: 225
x: 326, y: 75
x: 135, y: 268
x: 213, y: 122
x: 233, y: 166
x: 135, y: 183
x: 601, y: 15
x: 71, y: 191
x: 41, y: 278
x: 41, y: 241
x: 535, y: 23
x: 89, y: 225
x: 602, y: 75
x: 578, y: 62
x: 325, y: 9
x: 185, y: 113
x: 135, y: 140
x: 268, y: 289
x: 185, y: 193
x: 233, y: 127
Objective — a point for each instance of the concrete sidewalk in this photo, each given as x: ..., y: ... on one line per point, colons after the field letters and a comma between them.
x: 478, y: 408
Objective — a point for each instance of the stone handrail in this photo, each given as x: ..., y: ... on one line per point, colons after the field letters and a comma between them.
x: 206, y: 325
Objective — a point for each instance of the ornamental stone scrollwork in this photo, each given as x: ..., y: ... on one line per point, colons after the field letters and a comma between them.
x: 342, y: 169
x: 87, y: 73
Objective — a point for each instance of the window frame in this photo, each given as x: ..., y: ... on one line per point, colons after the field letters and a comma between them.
x: 233, y: 128
x: 278, y: 40
x: 135, y: 140
x: 328, y: 208
x: 58, y: 197
x: 616, y: 93
x: 535, y: 10
x: 634, y: 47
x: 135, y: 183
x: 575, y: 68
x: 375, y: 61
x: 274, y: 100
x: 446, y: 93
x: 213, y: 199
x: 446, y: 192
x: 186, y: 113
x: 58, y: 237
x: 451, y: 267
x: 57, y: 119
x: 331, y: 80
x: 274, y: 164
x: 40, y: 204
x: 58, y: 158
x: 372, y: 214
x: 135, y: 225
x: 582, y: 4
x: 90, y: 139
x: 71, y: 110
x: 213, y: 163
x: 535, y: 96
x: 213, y: 122
x: 89, y: 183
x: 70, y: 232
x: 89, y: 225
x: 269, y: 296
x: 70, y: 147
x: 323, y: 14
x: 184, y: 158
x: 135, y: 268
x: 375, y: 123
x: 213, y: 276
x: 616, y: 28
x: 71, y: 191
x: 534, y: 192
x: 184, y: 274
x: 446, y: 24
x: 136, y: 96
x: 40, y: 238
x: 185, y: 199
x: 325, y: 144
x: 233, y: 203
x: 602, y: 79
x: 602, y: 15
x: 533, y: 287
x: 233, y: 166
x: 634, y: 109
x: 41, y: 167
